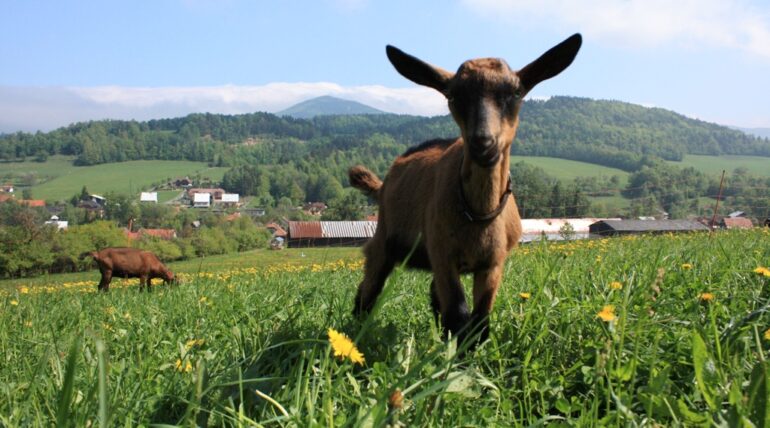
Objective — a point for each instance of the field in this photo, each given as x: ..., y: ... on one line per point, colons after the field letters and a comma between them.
x: 655, y: 331
x: 60, y: 180
x: 567, y: 170
x: 713, y: 165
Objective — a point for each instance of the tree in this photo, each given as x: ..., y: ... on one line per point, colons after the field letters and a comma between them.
x: 350, y: 206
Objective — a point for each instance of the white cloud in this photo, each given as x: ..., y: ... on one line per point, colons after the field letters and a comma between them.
x: 736, y: 24
x: 46, y: 108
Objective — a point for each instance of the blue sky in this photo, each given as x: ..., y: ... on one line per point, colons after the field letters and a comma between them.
x: 65, y: 61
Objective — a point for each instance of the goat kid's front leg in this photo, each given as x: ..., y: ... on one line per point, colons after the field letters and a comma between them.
x: 104, y: 283
x: 376, y: 271
x: 485, y: 285
x: 448, y: 291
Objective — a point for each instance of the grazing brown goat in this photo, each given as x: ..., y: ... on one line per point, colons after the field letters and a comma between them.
x: 124, y: 262
x: 446, y: 205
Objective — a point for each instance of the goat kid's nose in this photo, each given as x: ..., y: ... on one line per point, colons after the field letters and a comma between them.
x: 482, y: 142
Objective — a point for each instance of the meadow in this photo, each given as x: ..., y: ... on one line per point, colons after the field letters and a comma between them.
x: 567, y: 170
x: 59, y: 179
x: 713, y: 165
x: 657, y: 330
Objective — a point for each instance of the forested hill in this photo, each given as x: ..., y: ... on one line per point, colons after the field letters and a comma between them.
x: 606, y: 132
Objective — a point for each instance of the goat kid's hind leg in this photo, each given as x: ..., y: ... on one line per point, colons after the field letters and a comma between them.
x: 376, y: 271
x: 485, y: 285
x: 435, y: 304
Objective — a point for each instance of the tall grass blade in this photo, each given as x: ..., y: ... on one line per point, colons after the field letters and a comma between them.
x: 101, y: 355
x: 705, y: 370
x: 759, y: 411
x: 63, y: 411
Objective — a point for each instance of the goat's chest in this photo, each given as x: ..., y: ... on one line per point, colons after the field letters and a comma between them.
x: 478, y: 247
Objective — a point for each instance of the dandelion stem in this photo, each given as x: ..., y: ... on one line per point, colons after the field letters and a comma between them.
x: 271, y: 401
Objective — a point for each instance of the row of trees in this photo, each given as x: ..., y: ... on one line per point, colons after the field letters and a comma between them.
x: 610, y: 133
x: 28, y: 247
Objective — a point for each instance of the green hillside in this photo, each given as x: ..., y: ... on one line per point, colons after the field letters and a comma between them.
x: 124, y: 177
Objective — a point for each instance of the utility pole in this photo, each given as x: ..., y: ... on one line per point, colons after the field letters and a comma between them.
x: 716, y: 206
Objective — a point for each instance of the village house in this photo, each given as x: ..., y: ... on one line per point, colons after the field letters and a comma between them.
x: 630, y: 227
x: 32, y: 202
x: 556, y: 229
x: 276, y: 230
x: 201, y: 200
x: 183, y: 182
x: 216, y: 193
x: 314, y: 208
x: 330, y: 233
x: 736, y: 223
x: 6, y: 188
x: 229, y: 200
x: 148, y: 197
x: 60, y: 224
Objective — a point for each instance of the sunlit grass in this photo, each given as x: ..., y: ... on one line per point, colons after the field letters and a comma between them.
x: 249, y: 345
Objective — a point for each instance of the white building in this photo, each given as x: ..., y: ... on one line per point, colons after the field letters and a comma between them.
x: 149, y: 197
x: 202, y: 200
x: 60, y: 224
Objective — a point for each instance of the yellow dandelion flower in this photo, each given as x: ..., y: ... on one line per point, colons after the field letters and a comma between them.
x: 23, y: 290
x: 607, y: 313
x: 525, y: 295
x: 14, y: 303
x: 203, y: 300
x: 183, y: 366
x: 193, y: 343
x: 706, y: 297
x: 762, y: 271
x: 344, y: 347
x: 616, y: 285
x: 767, y: 334
x: 686, y: 266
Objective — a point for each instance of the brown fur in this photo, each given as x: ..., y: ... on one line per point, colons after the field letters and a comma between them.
x: 124, y: 262
x: 434, y: 195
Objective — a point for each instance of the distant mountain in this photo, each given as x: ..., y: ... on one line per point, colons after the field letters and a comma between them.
x: 758, y: 132
x: 325, y: 106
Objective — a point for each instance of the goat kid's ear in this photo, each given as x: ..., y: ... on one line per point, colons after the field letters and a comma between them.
x: 550, y: 63
x: 418, y: 71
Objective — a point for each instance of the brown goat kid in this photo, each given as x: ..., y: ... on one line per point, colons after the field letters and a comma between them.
x: 446, y: 205
x: 124, y: 262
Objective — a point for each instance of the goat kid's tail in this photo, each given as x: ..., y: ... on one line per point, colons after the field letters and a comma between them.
x: 365, y: 181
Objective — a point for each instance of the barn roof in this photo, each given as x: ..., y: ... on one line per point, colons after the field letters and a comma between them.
x: 230, y: 197
x: 332, y: 229
x: 652, y: 225
x: 737, y: 223
x: 202, y: 197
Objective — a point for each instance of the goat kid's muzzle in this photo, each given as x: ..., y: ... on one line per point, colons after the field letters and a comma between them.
x: 483, y: 151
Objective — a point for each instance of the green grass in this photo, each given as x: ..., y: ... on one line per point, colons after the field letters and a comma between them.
x: 259, y: 259
x: 567, y: 170
x: 167, y: 195
x: 53, y: 167
x: 615, y: 203
x: 243, y: 347
x: 59, y: 179
x: 713, y: 165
